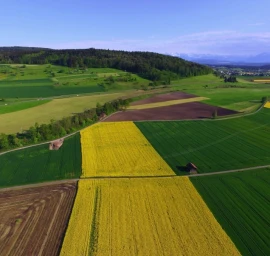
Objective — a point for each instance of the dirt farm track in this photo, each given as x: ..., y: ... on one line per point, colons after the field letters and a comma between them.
x: 33, y: 220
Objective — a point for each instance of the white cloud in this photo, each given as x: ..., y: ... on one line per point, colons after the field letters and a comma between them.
x: 210, y: 42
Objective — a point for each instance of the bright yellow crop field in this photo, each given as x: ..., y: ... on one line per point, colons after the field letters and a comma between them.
x: 167, y: 103
x: 119, y: 149
x: 144, y: 216
x: 267, y: 105
x: 262, y: 81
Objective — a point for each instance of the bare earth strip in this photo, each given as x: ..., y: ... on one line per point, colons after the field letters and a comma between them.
x: 185, y: 111
x: 164, y: 97
x: 33, y: 220
x: 167, y: 103
x: 143, y: 217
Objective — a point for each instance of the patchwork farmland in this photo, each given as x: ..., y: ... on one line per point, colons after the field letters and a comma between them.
x: 130, y: 200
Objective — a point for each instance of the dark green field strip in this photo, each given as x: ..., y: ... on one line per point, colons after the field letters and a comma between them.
x: 25, y: 83
x: 241, y: 204
x: 21, y: 106
x: 44, y: 91
x: 212, y: 145
x: 38, y: 164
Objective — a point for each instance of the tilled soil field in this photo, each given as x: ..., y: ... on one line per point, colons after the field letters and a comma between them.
x: 164, y: 97
x: 33, y: 220
x: 192, y: 110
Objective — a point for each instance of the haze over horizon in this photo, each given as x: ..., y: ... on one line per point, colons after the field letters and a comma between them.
x: 199, y: 27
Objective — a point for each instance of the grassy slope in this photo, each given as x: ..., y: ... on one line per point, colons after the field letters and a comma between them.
x: 38, y: 164
x: 232, y: 98
x: 240, y: 202
x: 48, y: 81
x: 55, y: 109
x: 212, y: 145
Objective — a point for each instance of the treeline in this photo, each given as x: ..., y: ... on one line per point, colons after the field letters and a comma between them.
x: 227, y: 78
x: 57, y: 129
x: 152, y: 66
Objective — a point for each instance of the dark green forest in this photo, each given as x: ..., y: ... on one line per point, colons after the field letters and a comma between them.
x: 152, y: 66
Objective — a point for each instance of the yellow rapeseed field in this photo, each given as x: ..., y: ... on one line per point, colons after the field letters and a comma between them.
x: 167, y: 103
x: 119, y: 149
x: 143, y: 216
x: 262, y: 81
x: 267, y: 105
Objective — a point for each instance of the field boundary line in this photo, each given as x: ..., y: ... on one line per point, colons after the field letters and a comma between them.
x: 56, y: 182
x: 231, y: 171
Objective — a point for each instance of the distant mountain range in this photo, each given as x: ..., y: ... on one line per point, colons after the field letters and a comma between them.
x: 211, y: 59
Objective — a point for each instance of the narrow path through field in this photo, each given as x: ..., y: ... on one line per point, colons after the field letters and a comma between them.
x: 129, y: 177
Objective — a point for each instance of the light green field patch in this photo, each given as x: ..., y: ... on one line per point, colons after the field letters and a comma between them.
x: 107, y: 74
x: 55, y: 109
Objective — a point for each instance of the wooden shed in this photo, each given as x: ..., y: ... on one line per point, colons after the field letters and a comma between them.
x: 55, y: 145
x: 192, y: 168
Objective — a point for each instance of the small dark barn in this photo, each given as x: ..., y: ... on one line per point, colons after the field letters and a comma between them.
x: 192, y: 168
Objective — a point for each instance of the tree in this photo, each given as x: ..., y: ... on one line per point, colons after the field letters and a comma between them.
x: 99, y: 109
x: 215, y: 114
x: 4, y: 144
x: 264, y: 99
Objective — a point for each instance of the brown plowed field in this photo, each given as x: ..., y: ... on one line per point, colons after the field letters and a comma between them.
x: 164, y: 97
x: 192, y: 110
x: 33, y: 220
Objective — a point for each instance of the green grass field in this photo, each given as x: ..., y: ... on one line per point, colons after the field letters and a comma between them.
x: 39, y: 164
x: 239, y: 99
x: 54, y: 109
x: 245, y: 97
x: 13, y: 107
x: 41, y: 81
x: 240, y: 203
x: 213, y: 145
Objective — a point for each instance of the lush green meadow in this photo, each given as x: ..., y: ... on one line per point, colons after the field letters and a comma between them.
x: 212, y: 145
x: 54, y: 109
x: 240, y: 203
x: 40, y: 81
x: 38, y: 164
x: 242, y: 96
x: 17, y: 106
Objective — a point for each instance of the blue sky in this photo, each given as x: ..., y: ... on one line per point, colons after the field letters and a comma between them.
x: 238, y: 27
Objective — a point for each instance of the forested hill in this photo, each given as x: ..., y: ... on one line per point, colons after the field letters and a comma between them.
x: 15, y: 49
x: 153, y: 66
